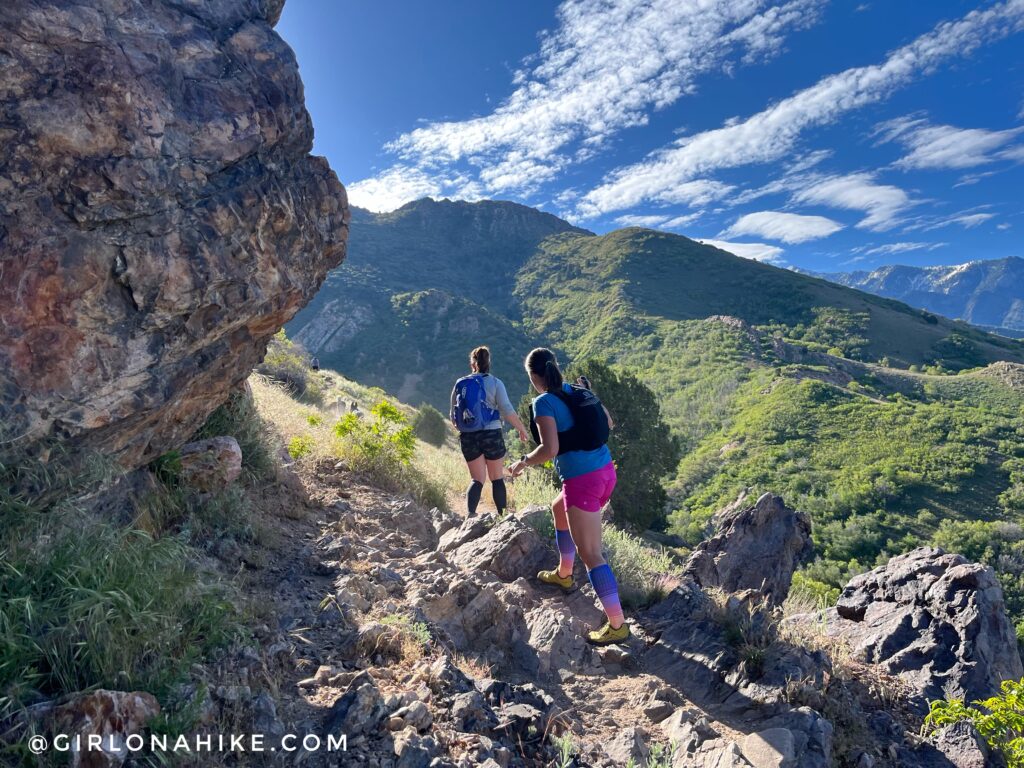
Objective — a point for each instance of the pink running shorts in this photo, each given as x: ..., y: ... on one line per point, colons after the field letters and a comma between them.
x: 590, y: 492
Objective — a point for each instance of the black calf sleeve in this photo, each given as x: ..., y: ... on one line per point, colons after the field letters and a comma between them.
x: 473, y: 496
x: 499, y: 494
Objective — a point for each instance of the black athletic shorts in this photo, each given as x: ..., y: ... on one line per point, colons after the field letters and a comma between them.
x: 489, y: 442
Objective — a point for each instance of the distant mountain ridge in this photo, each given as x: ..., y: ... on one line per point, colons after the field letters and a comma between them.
x: 987, y: 293
x: 424, y: 283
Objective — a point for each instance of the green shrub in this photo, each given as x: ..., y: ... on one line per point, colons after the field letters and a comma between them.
x: 808, y: 590
x: 301, y: 445
x: 416, y: 630
x: 999, y: 720
x: 381, y: 444
x: 383, y: 449
x: 430, y: 425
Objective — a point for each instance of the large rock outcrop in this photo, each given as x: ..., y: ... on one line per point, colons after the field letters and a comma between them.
x: 936, y: 620
x: 160, y: 214
x: 755, y: 546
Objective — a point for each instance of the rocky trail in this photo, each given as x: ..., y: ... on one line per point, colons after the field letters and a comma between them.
x: 424, y: 639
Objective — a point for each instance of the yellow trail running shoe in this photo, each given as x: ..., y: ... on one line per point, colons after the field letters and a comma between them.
x: 608, y: 636
x: 552, y: 577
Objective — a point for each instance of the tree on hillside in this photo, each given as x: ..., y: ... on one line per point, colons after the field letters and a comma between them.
x: 643, y: 447
x: 430, y: 424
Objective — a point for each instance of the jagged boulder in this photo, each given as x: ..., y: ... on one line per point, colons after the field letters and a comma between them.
x: 113, y: 716
x: 754, y: 547
x: 160, y: 214
x: 510, y: 550
x: 936, y: 620
x: 211, y: 464
x: 963, y: 747
x: 475, y: 618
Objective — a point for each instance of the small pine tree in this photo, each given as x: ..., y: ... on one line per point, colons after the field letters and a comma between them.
x: 643, y: 446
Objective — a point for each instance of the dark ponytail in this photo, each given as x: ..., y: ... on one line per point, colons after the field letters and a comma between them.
x: 541, y: 362
x: 481, y: 357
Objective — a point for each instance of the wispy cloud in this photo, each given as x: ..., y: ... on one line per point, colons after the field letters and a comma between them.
x: 756, y: 251
x: 657, y: 221
x: 605, y: 68
x: 968, y: 219
x: 772, y: 134
x: 946, y: 146
x: 890, y: 248
x: 640, y: 221
x: 883, y: 203
x: 787, y: 227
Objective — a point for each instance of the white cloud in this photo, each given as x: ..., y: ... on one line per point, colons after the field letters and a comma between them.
x: 771, y: 134
x: 756, y: 251
x: 946, y: 146
x: 787, y: 227
x: 657, y: 221
x: 400, y: 184
x: 903, y: 248
x: 858, y: 192
x: 967, y: 220
x: 606, y: 67
x: 640, y: 221
x: 681, y: 221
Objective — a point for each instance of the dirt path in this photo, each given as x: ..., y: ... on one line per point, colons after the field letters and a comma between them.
x: 349, y: 537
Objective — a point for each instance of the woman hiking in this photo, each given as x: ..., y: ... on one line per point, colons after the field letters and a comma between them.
x: 478, y: 404
x: 571, y: 426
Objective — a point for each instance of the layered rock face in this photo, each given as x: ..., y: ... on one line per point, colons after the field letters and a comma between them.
x: 160, y: 214
x: 935, y: 619
x: 755, y: 546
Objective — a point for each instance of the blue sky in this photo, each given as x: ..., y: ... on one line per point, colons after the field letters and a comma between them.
x: 828, y: 135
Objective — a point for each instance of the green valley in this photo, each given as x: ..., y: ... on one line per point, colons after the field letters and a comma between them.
x: 887, y: 423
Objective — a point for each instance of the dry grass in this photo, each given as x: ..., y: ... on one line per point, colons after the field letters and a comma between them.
x: 472, y: 668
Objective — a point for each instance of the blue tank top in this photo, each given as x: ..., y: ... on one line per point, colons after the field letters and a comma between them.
x: 573, y: 463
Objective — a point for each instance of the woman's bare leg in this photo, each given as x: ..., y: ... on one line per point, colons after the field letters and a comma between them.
x: 586, y: 532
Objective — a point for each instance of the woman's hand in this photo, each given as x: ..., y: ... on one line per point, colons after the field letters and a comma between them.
x: 523, y: 437
x: 518, y: 468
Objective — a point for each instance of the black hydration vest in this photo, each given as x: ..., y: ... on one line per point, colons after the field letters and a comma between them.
x: 589, y: 430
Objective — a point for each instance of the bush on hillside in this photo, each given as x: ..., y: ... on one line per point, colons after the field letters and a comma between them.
x: 643, y: 446
x: 289, y: 364
x: 430, y: 425
x: 383, y: 449
x: 999, y: 719
x: 957, y: 351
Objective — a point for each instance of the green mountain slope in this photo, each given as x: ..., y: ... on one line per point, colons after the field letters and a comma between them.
x: 423, y: 285
x: 858, y: 408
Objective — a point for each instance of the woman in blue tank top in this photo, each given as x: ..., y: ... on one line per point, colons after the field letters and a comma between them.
x: 588, y: 478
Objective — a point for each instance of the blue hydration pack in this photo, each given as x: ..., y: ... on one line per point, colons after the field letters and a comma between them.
x: 470, y: 412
